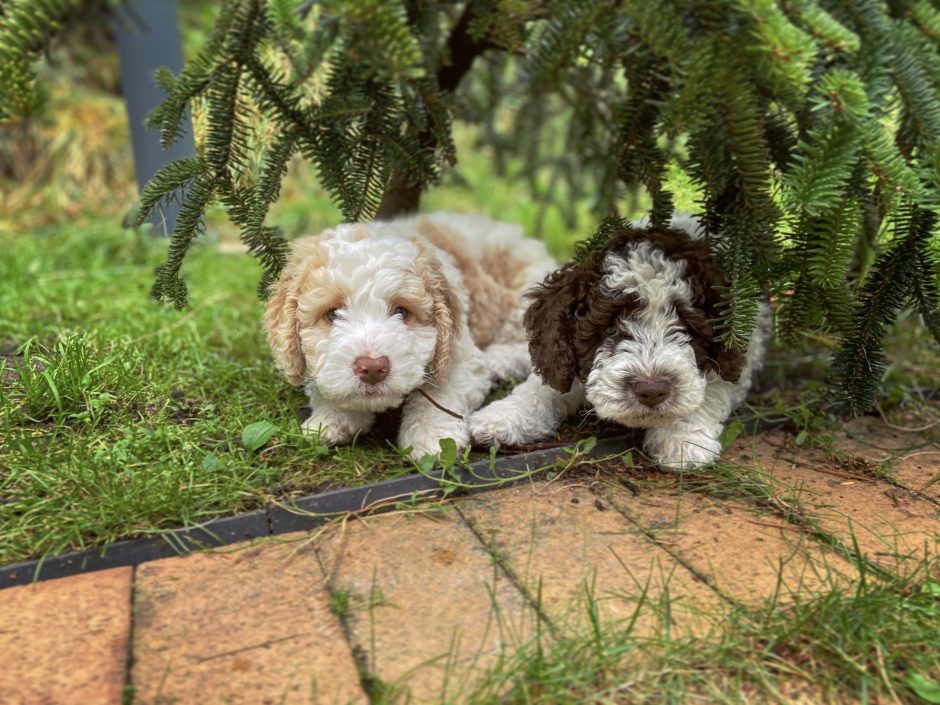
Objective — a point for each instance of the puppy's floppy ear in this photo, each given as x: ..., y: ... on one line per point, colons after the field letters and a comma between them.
x: 550, y: 321
x: 280, y: 320
x: 707, y: 281
x: 280, y: 316
x: 446, y: 310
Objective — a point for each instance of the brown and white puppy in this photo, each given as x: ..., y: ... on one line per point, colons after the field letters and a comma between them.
x: 631, y: 331
x: 368, y: 316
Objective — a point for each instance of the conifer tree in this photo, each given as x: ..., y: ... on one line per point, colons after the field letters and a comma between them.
x: 810, y: 127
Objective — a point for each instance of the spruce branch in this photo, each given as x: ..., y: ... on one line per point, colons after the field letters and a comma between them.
x: 168, y: 183
x: 822, y: 25
x: 642, y: 161
x: 927, y: 17
x: 860, y: 362
x: 169, y: 285
x: 784, y: 53
x: 560, y: 39
x: 27, y: 28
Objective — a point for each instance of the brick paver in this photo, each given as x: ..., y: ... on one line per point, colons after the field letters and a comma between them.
x: 911, y: 454
x: 744, y: 553
x: 65, y: 642
x: 890, y: 526
x: 429, y: 608
x: 251, y: 625
x: 564, y: 543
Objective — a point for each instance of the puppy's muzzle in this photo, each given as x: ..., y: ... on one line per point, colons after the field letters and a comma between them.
x: 371, y: 370
x: 651, y: 391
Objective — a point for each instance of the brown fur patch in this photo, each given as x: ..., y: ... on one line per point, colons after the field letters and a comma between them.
x: 280, y: 316
x: 567, y: 321
x: 570, y: 313
x: 446, y: 309
x: 501, y: 263
x: 492, y: 283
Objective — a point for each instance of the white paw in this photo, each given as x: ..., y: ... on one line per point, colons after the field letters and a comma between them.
x: 334, y: 426
x: 424, y: 439
x: 681, y: 450
x: 495, y: 425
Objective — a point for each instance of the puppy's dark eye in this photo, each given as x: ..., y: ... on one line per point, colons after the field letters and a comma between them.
x: 401, y: 313
x: 332, y: 315
x: 610, y: 331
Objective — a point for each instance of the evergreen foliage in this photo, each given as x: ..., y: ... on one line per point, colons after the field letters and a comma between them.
x: 26, y: 28
x: 810, y: 127
x: 897, y: 279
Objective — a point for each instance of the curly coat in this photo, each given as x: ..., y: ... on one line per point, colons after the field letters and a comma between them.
x: 571, y: 313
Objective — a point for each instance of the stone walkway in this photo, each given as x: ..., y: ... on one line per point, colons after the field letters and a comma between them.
x: 426, y: 599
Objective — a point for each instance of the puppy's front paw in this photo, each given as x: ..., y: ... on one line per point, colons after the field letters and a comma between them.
x: 335, y: 426
x: 424, y: 439
x: 681, y: 449
x: 504, y: 423
x: 492, y: 425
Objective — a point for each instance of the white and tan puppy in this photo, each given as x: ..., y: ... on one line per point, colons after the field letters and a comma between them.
x: 373, y: 316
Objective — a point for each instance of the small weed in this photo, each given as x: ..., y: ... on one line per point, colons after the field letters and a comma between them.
x: 341, y: 602
x: 127, y: 695
x: 59, y: 382
x: 380, y: 692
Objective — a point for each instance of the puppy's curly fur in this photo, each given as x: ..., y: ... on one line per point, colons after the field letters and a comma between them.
x: 436, y: 297
x: 638, y: 312
x: 570, y: 312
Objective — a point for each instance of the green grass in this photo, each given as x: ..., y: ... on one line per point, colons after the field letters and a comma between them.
x: 120, y: 416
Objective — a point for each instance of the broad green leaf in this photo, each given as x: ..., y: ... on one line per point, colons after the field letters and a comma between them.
x: 587, y: 445
x: 448, y: 453
x: 255, y: 435
x: 926, y: 688
x: 427, y: 462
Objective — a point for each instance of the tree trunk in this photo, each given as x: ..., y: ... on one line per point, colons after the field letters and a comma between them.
x: 400, y: 197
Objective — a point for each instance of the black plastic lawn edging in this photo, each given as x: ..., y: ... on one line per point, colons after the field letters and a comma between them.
x: 302, y: 514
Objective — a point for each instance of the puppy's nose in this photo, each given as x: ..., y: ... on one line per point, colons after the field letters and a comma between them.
x: 651, y: 391
x: 371, y: 370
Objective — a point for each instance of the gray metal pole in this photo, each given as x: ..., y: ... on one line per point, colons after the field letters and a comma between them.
x: 148, y: 37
